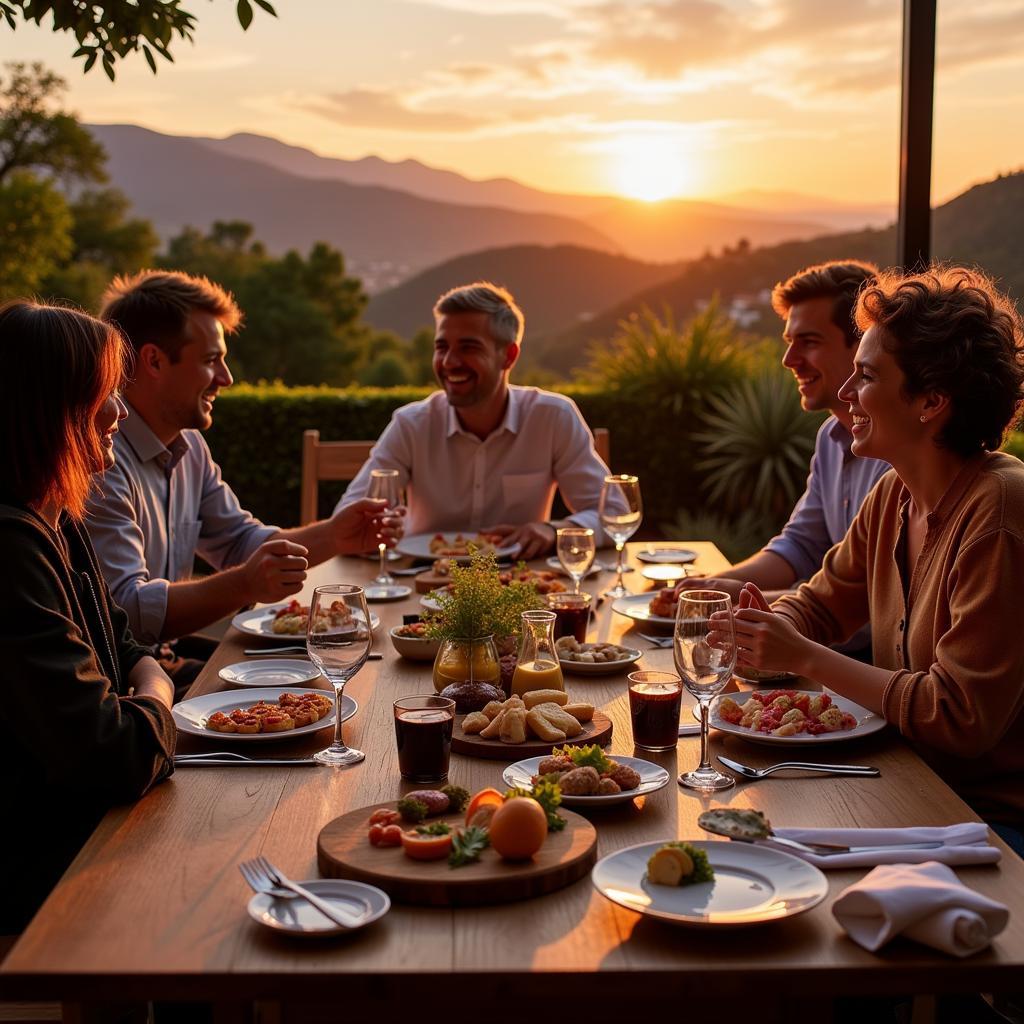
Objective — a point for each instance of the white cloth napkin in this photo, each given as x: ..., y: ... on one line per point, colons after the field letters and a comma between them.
x: 962, y: 844
x: 924, y: 902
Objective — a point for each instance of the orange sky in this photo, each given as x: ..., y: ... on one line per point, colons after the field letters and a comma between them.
x: 643, y: 97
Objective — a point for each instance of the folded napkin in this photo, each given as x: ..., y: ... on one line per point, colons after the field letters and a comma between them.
x: 962, y: 844
x: 924, y: 902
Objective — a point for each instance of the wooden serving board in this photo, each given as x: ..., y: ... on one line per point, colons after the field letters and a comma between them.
x: 343, y: 851
x: 598, y: 730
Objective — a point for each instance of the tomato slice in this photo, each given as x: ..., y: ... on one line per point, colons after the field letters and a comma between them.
x: 422, y: 847
x: 384, y: 816
x: 486, y: 797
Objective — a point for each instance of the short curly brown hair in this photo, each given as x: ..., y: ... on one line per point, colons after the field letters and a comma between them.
x: 953, y: 332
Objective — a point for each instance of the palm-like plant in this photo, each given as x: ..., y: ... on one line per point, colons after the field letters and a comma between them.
x: 737, y: 537
x: 756, y: 445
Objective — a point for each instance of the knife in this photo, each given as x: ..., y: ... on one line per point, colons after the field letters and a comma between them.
x: 223, y: 761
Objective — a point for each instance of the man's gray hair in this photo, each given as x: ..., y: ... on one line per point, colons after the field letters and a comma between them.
x: 505, y: 317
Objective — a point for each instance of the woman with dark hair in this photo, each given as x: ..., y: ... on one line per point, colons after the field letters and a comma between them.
x: 84, y: 711
x: 935, y: 559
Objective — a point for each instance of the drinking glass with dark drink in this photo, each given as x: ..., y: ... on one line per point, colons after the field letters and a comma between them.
x: 572, y: 614
x: 423, y: 731
x: 654, y: 703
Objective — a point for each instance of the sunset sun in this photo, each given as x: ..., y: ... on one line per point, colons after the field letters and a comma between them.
x: 650, y: 169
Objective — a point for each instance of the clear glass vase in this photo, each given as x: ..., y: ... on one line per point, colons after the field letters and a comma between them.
x: 537, y: 667
x: 465, y: 660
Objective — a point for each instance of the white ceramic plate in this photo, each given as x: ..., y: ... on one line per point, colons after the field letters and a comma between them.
x: 414, y: 648
x: 867, y: 723
x: 652, y: 778
x: 600, y: 668
x: 270, y: 672
x: 429, y: 601
x: 678, y: 556
x: 297, y: 917
x: 418, y: 546
x: 259, y: 622
x: 190, y: 715
x: 752, y: 885
x: 637, y: 607
x: 556, y: 565
x: 393, y: 592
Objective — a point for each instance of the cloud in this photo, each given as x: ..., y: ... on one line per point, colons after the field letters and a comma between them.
x: 386, y: 111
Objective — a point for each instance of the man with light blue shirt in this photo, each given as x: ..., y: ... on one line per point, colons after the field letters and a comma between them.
x: 821, y: 343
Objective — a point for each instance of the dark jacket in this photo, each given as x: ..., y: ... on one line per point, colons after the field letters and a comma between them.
x: 72, y: 743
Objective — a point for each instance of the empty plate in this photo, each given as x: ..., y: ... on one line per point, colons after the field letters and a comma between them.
x: 270, y: 672
x: 297, y: 917
x: 658, y: 555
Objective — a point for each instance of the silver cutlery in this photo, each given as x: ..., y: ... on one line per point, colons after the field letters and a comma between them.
x: 230, y: 758
x: 256, y: 652
x: 824, y: 769
x: 656, y: 641
x: 414, y: 571
x: 689, y: 730
x: 263, y: 877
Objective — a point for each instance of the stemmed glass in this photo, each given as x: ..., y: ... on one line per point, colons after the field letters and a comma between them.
x: 338, y: 640
x: 384, y: 484
x: 704, y: 670
x: 576, y: 550
x: 621, y: 513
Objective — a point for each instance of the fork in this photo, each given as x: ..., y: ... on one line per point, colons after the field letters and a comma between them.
x: 657, y: 641
x: 263, y: 877
x: 826, y: 769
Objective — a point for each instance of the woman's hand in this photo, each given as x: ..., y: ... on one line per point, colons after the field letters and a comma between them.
x: 764, y: 639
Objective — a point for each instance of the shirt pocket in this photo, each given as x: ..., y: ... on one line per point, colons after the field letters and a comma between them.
x: 183, y: 549
x: 526, y: 497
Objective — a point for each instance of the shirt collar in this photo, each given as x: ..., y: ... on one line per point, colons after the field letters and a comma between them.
x: 510, y: 421
x: 838, y: 433
x: 147, y: 445
x: 955, y: 492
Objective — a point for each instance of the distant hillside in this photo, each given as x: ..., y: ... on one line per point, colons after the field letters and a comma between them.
x: 557, y: 286
x: 384, y: 234
x: 981, y: 227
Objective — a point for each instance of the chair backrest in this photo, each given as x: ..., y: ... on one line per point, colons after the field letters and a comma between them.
x: 327, y: 460
x: 603, y: 445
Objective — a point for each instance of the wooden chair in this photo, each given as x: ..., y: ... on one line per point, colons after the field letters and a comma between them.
x: 603, y: 445
x: 327, y: 460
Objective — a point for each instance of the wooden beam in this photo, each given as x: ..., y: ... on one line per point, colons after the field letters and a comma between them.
x: 914, y: 228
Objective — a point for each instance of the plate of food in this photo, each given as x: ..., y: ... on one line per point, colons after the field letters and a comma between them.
x: 429, y: 601
x: 410, y: 642
x: 793, y: 717
x: 594, y: 659
x: 270, y: 672
x: 588, y: 777
x: 271, y: 713
x: 680, y: 556
x: 657, y: 609
x: 291, y: 619
x: 454, y: 545
x: 716, y: 884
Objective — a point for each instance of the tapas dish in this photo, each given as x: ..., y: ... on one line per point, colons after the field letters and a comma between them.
x: 629, y: 777
x: 441, y: 545
x: 261, y: 621
x: 594, y: 659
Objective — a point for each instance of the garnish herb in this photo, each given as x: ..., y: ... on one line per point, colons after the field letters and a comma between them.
x: 435, y: 828
x: 467, y: 845
x: 412, y: 810
x: 592, y: 756
x: 548, y: 794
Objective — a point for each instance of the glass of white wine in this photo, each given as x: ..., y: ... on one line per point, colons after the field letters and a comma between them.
x: 384, y: 484
x: 704, y: 670
x: 576, y: 550
x: 621, y: 512
x: 338, y: 640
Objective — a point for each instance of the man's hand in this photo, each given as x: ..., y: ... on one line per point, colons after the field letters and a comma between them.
x: 364, y: 524
x: 534, y: 539
x: 694, y: 582
x: 275, y: 570
x: 763, y: 639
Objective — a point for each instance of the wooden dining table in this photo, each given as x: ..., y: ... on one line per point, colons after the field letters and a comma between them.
x: 154, y: 907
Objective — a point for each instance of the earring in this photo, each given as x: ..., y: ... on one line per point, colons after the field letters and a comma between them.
x: 924, y: 419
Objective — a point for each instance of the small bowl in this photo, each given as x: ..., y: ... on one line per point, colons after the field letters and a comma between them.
x: 414, y: 648
x: 666, y: 575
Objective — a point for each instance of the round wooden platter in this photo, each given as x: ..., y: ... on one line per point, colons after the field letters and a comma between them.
x: 343, y: 851
x: 598, y: 730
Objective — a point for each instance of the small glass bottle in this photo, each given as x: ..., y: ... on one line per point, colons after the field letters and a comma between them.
x: 538, y: 667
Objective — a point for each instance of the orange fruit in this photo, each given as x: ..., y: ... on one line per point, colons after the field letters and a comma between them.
x: 518, y: 828
x: 486, y: 797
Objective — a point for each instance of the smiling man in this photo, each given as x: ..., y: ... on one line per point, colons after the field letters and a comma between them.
x: 164, y: 501
x: 482, y: 454
x: 821, y: 343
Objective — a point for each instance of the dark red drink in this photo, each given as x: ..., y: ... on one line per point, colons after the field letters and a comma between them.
x: 423, y: 731
x: 572, y: 615
x: 654, y: 706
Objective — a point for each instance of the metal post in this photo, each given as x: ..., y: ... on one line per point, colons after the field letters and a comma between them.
x: 914, y: 227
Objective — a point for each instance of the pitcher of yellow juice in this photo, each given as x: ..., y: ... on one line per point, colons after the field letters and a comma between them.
x: 537, y: 668
x: 467, y: 660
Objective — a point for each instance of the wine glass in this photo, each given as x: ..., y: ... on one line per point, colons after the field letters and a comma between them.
x: 621, y: 513
x: 338, y: 640
x: 384, y: 484
x: 576, y: 549
x: 704, y: 670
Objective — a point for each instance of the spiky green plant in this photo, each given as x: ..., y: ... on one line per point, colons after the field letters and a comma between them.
x: 737, y: 538
x: 756, y: 446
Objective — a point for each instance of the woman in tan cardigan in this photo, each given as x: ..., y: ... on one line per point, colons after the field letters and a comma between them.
x: 935, y: 558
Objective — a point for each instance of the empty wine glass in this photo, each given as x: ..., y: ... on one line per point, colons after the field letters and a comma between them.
x: 384, y: 484
x: 704, y: 670
x: 576, y: 550
x: 338, y: 640
x: 621, y: 512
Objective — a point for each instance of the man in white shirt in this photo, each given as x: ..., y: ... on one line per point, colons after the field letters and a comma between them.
x: 482, y: 454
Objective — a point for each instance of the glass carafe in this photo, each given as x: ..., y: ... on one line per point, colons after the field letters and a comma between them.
x: 466, y: 660
x: 537, y: 668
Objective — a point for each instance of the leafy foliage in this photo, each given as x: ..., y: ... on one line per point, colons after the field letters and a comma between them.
x: 110, y: 30
x: 35, y: 233
x: 737, y: 536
